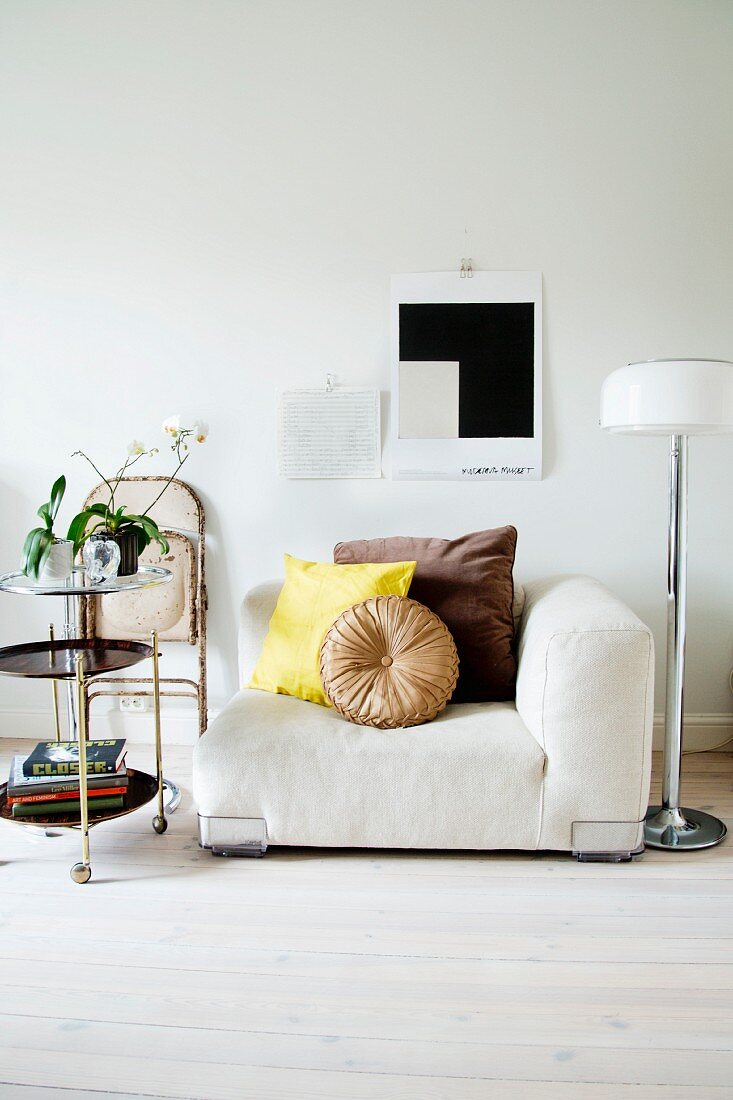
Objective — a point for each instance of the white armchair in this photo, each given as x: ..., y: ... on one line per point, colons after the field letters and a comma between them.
x: 565, y: 767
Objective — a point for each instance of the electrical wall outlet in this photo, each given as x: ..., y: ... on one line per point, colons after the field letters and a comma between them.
x: 133, y: 704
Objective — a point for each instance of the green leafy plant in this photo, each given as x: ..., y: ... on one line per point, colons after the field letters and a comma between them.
x: 100, y: 517
x: 109, y: 517
x: 39, y: 541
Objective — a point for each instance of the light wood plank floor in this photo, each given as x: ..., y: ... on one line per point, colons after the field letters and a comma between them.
x: 317, y: 975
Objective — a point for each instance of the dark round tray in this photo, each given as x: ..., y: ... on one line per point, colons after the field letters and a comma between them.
x: 57, y: 660
x: 142, y: 789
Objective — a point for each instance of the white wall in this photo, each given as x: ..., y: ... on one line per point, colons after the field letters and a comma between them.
x: 202, y: 203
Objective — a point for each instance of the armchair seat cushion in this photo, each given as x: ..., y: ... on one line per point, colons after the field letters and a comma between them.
x: 470, y: 779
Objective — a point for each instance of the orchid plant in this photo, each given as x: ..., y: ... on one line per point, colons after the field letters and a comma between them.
x: 39, y: 541
x: 115, y: 519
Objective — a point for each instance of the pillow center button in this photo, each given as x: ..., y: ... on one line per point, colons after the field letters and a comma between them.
x: 387, y: 661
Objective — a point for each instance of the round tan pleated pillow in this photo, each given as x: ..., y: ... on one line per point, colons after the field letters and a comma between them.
x: 389, y: 662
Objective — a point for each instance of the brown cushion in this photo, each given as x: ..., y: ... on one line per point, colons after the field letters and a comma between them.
x: 468, y: 583
x: 388, y: 662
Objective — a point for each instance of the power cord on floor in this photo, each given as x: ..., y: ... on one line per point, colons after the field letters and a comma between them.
x: 713, y: 748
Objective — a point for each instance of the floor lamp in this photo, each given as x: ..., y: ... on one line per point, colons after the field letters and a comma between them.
x: 678, y: 398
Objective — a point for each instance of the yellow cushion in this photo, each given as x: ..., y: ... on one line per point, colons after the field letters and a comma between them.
x: 312, y: 598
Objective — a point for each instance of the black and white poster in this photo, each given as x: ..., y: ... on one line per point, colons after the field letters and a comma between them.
x: 467, y: 376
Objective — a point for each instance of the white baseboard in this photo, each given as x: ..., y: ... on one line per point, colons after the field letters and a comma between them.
x: 180, y: 727
x: 703, y: 732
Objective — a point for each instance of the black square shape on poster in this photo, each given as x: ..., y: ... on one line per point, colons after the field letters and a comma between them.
x: 493, y: 342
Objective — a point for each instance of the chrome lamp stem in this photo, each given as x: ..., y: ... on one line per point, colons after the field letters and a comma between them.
x: 671, y: 825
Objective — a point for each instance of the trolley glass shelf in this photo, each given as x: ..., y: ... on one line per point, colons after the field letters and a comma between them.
x: 79, y: 584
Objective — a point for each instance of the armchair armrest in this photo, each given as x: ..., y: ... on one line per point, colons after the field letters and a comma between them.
x: 254, y: 620
x: 585, y: 692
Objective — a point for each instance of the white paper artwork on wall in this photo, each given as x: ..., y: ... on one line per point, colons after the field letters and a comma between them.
x: 467, y: 376
x: 329, y: 433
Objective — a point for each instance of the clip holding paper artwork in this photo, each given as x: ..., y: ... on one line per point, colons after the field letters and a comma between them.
x: 467, y: 376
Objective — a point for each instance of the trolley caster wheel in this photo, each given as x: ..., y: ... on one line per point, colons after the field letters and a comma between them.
x: 160, y: 824
x: 81, y: 872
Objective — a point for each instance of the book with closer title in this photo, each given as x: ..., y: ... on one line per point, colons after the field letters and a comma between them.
x: 61, y: 758
x: 24, y: 788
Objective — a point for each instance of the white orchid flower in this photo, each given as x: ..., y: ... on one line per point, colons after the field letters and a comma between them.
x: 135, y: 448
x: 172, y: 426
x: 200, y: 431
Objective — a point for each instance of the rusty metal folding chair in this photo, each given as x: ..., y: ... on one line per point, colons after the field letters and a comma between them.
x: 177, y: 611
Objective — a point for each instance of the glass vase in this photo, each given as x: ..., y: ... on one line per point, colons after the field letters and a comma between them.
x: 101, y: 556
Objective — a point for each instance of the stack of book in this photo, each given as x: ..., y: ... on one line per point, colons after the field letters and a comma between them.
x: 46, y: 783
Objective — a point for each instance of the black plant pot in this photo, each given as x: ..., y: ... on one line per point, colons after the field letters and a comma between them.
x: 127, y: 542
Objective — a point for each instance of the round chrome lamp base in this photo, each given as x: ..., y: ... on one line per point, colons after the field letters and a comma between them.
x: 682, y: 828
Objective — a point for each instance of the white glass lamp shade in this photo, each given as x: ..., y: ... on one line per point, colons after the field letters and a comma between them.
x: 669, y: 397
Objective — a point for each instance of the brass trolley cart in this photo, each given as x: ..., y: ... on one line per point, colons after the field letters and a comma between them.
x: 73, y: 661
